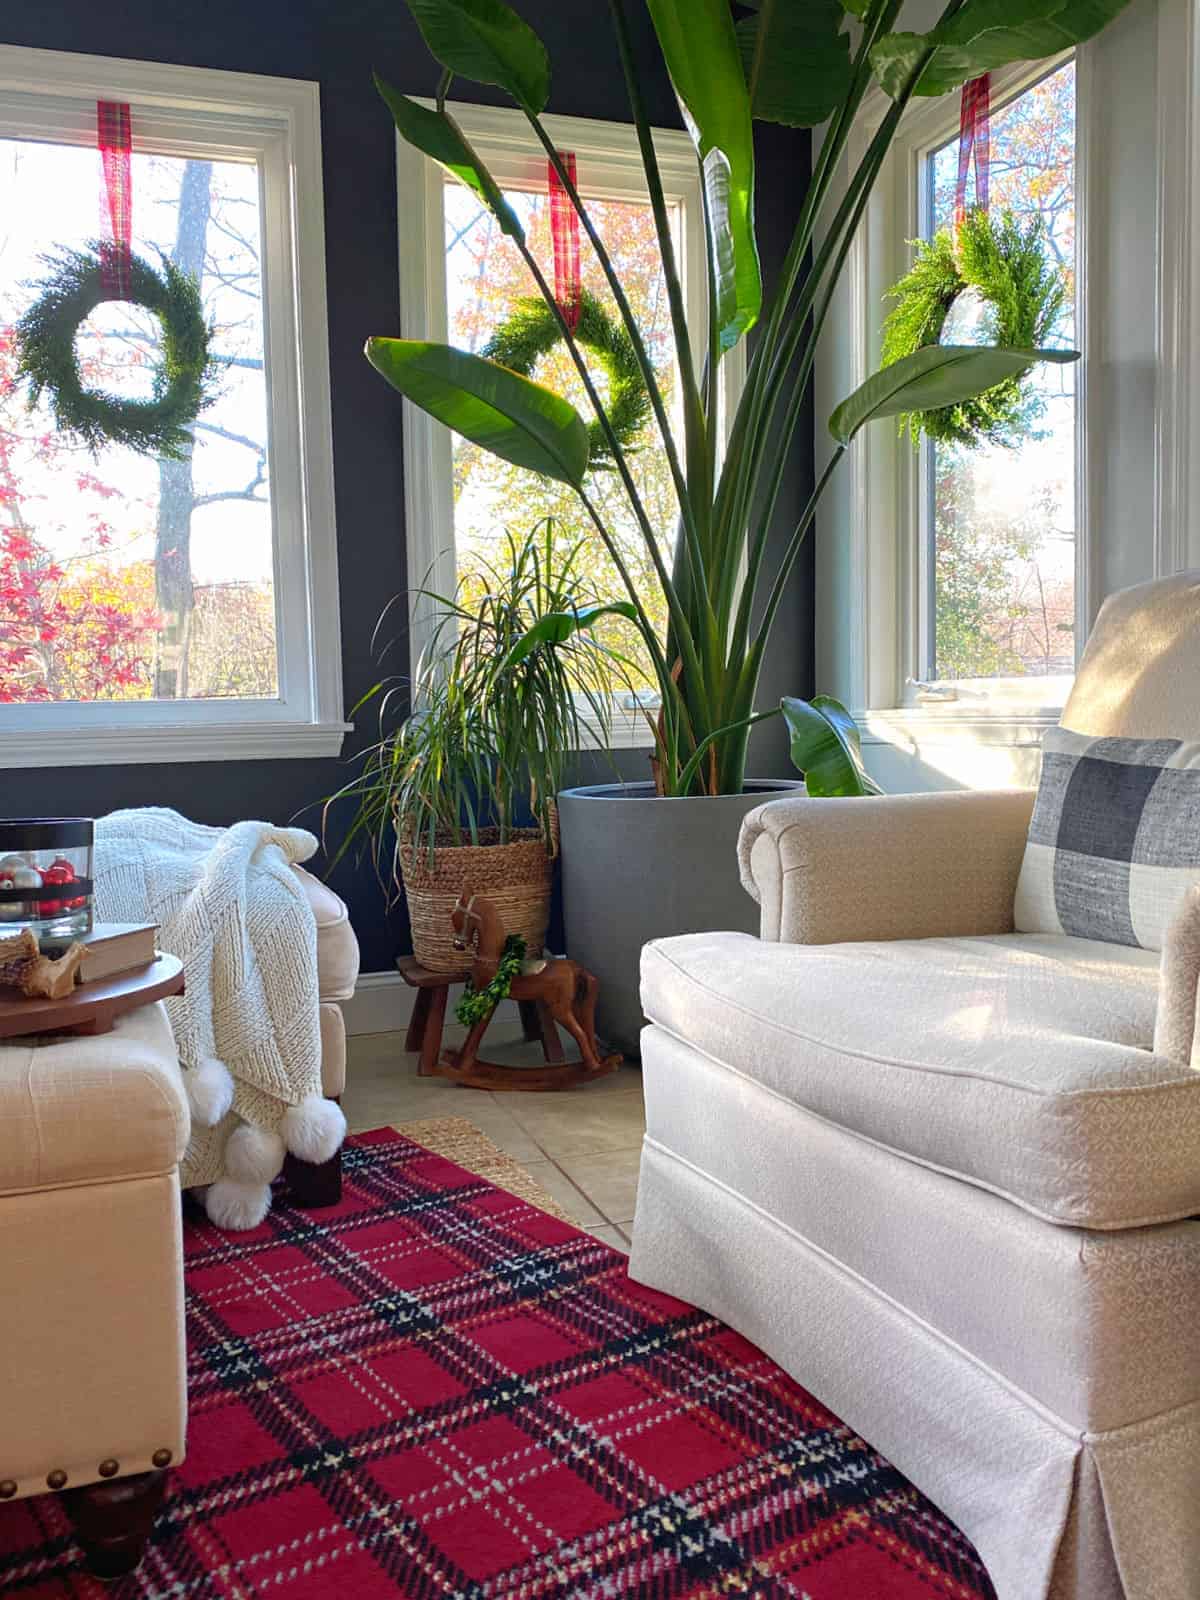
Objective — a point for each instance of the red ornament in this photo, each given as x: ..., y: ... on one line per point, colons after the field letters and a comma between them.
x: 58, y: 872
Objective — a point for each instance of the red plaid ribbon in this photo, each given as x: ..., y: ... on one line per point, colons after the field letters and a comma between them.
x: 115, y: 144
x: 973, y: 138
x: 564, y: 231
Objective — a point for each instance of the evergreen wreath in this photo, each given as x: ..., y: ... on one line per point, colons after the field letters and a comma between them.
x: 532, y: 330
x: 475, y: 1004
x: 1023, y: 291
x: 183, y: 379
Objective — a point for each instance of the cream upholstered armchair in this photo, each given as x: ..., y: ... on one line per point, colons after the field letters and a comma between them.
x: 948, y: 1174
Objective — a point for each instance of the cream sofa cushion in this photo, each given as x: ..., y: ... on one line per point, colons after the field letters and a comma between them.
x: 88, y: 1110
x: 1137, y: 678
x: 1101, y: 1328
x: 1021, y: 1063
x: 337, y: 948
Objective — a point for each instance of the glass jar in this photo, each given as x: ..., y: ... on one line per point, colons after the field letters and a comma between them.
x: 46, y: 877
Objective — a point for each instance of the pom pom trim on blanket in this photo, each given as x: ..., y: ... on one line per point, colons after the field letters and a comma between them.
x: 314, y: 1129
x: 253, y: 1155
x: 209, y: 1087
x: 237, y: 1206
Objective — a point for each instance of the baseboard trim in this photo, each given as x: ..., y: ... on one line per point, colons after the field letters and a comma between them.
x: 381, y: 1003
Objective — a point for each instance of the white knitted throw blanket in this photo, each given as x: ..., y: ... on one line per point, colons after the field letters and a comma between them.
x: 247, y: 1026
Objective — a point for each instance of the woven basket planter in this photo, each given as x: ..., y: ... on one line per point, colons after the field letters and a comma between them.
x: 516, y: 878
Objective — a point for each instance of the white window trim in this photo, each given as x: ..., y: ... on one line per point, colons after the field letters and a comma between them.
x: 610, y: 168
x: 276, y: 121
x: 884, y: 474
x: 1177, y: 412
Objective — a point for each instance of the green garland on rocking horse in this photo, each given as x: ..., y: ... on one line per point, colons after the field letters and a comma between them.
x: 563, y: 992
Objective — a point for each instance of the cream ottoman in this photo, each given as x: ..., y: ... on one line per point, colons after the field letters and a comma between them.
x: 92, y: 1384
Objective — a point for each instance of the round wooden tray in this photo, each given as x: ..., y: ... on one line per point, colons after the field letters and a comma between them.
x: 92, y: 1007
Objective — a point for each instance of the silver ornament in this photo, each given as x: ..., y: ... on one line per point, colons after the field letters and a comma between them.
x: 11, y: 910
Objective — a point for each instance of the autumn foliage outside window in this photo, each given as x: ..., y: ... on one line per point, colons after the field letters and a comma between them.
x: 999, y: 522
x: 123, y: 578
x: 64, y: 635
x: 485, y: 277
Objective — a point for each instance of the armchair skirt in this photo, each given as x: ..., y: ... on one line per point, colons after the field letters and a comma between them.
x: 950, y: 1186
x: 1040, y: 1383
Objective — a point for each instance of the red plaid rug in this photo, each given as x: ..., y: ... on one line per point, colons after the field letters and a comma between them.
x: 437, y: 1390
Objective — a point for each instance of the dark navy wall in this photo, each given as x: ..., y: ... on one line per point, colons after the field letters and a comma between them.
x: 338, y: 42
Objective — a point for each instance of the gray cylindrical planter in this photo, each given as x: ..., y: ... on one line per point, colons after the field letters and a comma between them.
x: 637, y: 867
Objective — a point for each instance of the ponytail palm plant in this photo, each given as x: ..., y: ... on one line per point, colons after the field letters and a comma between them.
x: 804, y: 63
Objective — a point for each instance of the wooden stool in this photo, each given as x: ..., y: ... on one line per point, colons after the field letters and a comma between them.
x: 428, y: 1022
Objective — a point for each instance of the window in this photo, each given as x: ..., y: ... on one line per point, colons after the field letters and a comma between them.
x: 998, y: 523
x: 462, y: 278
x: 954, y: 589
x: 163, y: 609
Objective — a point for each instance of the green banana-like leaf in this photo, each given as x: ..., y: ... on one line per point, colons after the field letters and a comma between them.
x: 556, y: 627
x: 986, y: 34
x: 825, y: 747
x: 715, y: 173
x: 700, y: 48
x: 486, y: 41
x: 935, y: 376
x: 498, y: 410
x: 436, y: 134
x: 797, y: 60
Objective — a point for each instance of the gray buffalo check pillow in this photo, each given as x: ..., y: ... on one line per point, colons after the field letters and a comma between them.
x: 1114, y: 842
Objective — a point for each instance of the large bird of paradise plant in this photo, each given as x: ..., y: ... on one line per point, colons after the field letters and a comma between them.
x: 805, y: 63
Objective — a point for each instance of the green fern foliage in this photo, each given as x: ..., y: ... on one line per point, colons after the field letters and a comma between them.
x: 1023, y: 291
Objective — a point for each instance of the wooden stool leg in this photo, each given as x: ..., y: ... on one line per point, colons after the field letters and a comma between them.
x: 531, y: 1024
x: 415, y: 1036
x: 431, y: 1039
x: 552, y: 1048
x: 113, y: 1520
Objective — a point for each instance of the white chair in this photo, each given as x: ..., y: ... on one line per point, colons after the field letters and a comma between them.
x: 947, y: 1174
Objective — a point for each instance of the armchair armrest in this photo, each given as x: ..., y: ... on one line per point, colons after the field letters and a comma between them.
x: 912, y: 866
x: 1177, y: 1025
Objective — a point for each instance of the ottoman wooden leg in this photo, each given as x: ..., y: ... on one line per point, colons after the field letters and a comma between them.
x: 113, y: 1520
x: 313, y: 1184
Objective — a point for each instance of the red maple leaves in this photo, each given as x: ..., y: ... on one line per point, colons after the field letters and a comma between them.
x: 83, y: 629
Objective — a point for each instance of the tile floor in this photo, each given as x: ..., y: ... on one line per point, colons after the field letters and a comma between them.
x: 583, y: 1145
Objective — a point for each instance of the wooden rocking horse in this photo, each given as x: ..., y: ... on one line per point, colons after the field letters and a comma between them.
x: 551, y: 991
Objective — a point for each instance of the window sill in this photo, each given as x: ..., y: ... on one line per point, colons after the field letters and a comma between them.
x: 953, y: 723
x: 628, y: 730
x: 170, y: 742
